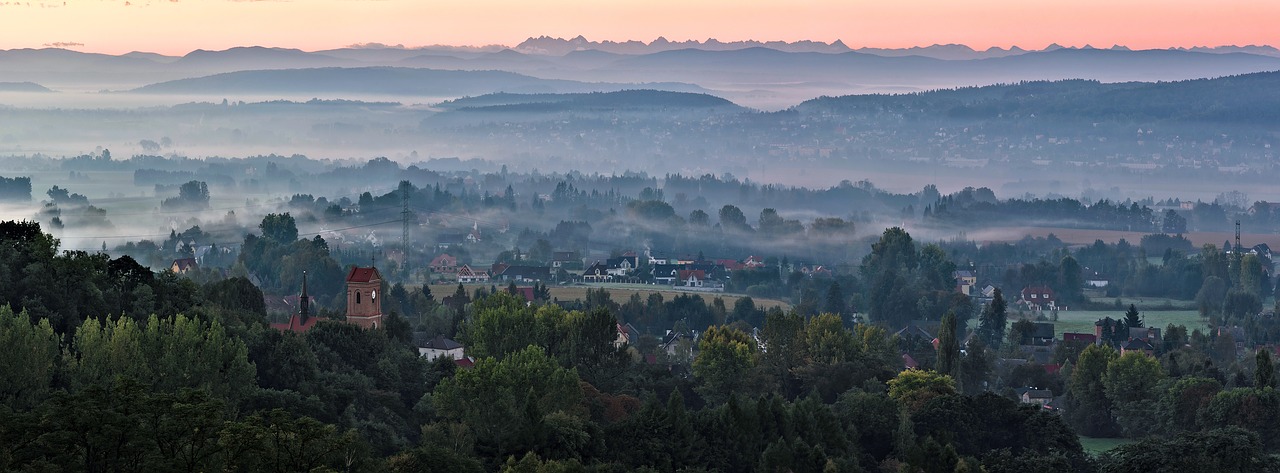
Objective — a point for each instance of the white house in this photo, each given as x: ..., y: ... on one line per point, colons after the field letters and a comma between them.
x: 438, y: 347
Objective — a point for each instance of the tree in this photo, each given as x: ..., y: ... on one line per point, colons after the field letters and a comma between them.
x: 1173, y: 223
x: 835, y: 300
x: 726, y: 357
x: 28, y: 367
x: 991, y: 324
x: 280, y: 228
x: 1071, y: 281
x: 1130, y: 384
x: 1209, y: 298
x: 1089, y: 409
x: 948, y: 345
x: 732, y: 219
x: 1264, y: 374
x: 499, y: 399
x: 914, y: 388
x: 894, y: 251
x: 1132, y: 319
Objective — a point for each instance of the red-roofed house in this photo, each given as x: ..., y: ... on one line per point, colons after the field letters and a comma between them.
x: 1087, y: 338
x: 1039, y: 298
x: 753, y: 262
x: 445, y: 263
x: 691, y: 277
x: 730, y: 265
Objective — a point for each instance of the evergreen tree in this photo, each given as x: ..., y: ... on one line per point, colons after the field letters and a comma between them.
x: 835, y: 300
x: 991, y: 325
x: 1264, y: 375
x: 1131, y: 318
x: 948, y: 346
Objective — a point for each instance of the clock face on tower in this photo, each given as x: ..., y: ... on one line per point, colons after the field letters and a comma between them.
x: 373, y: 294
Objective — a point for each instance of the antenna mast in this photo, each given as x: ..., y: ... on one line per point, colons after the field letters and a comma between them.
x: 404, y: 220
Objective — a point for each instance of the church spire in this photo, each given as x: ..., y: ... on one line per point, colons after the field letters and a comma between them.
x: 304, y: 302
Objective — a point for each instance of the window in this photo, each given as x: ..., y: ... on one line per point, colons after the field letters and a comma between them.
x: 357, y: 297
x: 1033, y: 296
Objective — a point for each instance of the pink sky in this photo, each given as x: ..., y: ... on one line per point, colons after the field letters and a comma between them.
x: 179, y: 26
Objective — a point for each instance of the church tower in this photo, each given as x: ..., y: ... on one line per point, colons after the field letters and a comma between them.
x: 364, y: 303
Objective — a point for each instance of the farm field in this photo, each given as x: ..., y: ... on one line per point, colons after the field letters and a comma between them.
x: 1081, y: 321
x: 621, y: 292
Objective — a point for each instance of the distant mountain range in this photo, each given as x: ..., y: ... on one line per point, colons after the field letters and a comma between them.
x: 762, y: 75
x: 546, y: 45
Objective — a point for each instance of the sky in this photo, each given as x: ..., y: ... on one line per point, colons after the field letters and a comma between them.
x: 180, y: 26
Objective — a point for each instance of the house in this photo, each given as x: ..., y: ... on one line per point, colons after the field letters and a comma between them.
x: 627, y: 335
x: 622, y: 265
x: 753, y: 262
x: 526, y: 293
x: 474, y: 236
x: 1039, y: 298
x: 815, y: 270
x: 680, y: 344
x: 666, y: 273
x: 1150, y: 334
x: 518, y: 273
x: 988, y: 292
x: 691, y: 277
x: 432, y: 348
x: 183, y: 265
x: 1081, y: 338
x: 1039, y: 397
x: 1043, y: 334
x: 597, y: 272
x: 926, y: 329
x: 445, y: 263
x: 566, y: 259
x: 1138, y: 345
x: 965, y: 280
x: 445, y: 241
x: 468, y: 275
x: 364, y: 308
x: 730, y: 265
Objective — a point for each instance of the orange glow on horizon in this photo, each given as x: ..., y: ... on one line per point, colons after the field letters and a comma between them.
x: 178, y: 27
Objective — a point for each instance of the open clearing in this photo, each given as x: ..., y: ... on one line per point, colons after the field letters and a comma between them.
x: 1081, y: 321
x: 1094, y: 446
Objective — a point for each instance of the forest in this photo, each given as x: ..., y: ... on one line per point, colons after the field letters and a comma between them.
x: 111, y: 366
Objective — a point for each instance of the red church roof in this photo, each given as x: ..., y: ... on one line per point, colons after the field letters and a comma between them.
x: 358, y: 274
x: 294, y: 325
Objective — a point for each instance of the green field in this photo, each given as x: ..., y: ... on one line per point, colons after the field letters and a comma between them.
x: 1081, y: 321
x: 1094, y: 446
x: 1148, y: 303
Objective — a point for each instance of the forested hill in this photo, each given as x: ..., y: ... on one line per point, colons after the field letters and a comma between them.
x: 1248, y: 98
x: 22, y: 87
x: 625, y: 99
x: 383, y: 80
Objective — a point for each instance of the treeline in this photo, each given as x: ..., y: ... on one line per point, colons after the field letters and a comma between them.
x: 15, y: 189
